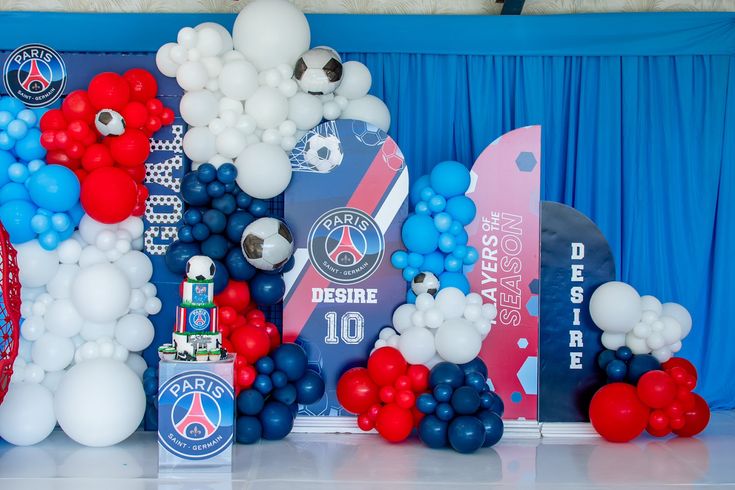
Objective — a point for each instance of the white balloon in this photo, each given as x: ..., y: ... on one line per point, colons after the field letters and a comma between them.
x: 662, y: 355
x: 52, y: 380
x: 268, y: 106
x: 270, y: 33
x: 165, y: 64
x: 458, y: 341
x: 209, y: 41
x: 424, y: 301
x: 120, y: 354
x: 402, y: 317
x: 472, y: 312
x: 91, y: 255
x: 63, y: 319
x: 680, y: 314
x: 89, y: 351
x: 649, y: 316
x: 651, y: 303
x: 417, y: 345
x: 356, y: 80
x: 199, y: 144
x: 106, y: 240
x: 305, y: 110
x: 238, y: 79
x: 149, y: 290
x: 272, y: 136
x: 386, y: 333
x: 613, y: 341
x: 137, y: 299
x: 187, y: 37
x: 52, y: 352
x: 100, y: 402
x: 451, y: 302
x: 34, y: 373
x: 134, y: 332
x: 69, y: 251
x: 672, y: 330
x: 192, y: 75
x: 137, y: 267
x: 224, y: 34
x: 483, y: 327
x: 489, y: 311
x: 179, y: 54
x: 94, y: 330
x: 106, y: 347
x: 657, y: 326
x: 36, y: 266
x: 27, y: 414
x: 32, y: 328
x: 89, y: 228
x: 369, y: 109
x: 153, y: 306
x: 393, y: 341
x: 615, y: 307
x: 214, y: 65
x: 263, y: 171
x: 675, y: 347
x: 642, y: 330
x: 137, y: 364
x: 655, y: 341
x: 331, y: 110
x: 636, y: 344
x: 101, y: 293
x: 288, y: 87
x: 59, y: 285
x: 417, y: 319
x: 198, y: 107
x: 134, y: 226
x: 433, y: 317
x: 473, y: 299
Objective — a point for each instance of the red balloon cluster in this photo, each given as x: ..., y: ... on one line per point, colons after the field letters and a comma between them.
x: 245, y: 331
x: 384, y: 394
x: 111, y: 169
x: 661, y: 403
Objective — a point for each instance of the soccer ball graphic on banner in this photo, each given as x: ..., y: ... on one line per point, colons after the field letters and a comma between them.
x: 109, y: 123
x: 200, y: 268
x: 425, y: 282
x: 323, y: 152
x: 267, y: 244
x: 319, y: 71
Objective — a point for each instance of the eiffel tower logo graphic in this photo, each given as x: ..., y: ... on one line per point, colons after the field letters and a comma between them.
x: 196, y: 424
x: 345, y: 248
x: 35, y: 81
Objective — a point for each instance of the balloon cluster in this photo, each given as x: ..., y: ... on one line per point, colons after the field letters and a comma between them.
x: 102, y: 134
x: 434, y: 234
x: 661, y: 402
x: 461, y: 410
x: 383, y: 395
x: 249, y: 96
x: 150, y: 387
x: 450, y: 327
x: 269, y: 407
x: 641, y: 323
x: 19, y: 131
x: 623, y: 365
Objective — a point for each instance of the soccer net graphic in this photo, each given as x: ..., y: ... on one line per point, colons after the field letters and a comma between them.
x: 319, y: 150
x: 9, y: 310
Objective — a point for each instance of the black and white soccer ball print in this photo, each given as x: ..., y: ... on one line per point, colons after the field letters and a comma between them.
x: 318, y: 71
x: 267, y: 244
x: 323, y: 152
x: 109, y: 123
x: 425, y: 282
x: 200, y: 268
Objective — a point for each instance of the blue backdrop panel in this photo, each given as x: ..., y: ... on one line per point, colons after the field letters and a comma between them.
x: 638, y: 113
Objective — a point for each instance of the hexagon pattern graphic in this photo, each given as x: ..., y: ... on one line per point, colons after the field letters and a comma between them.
x: 526, y: 161
x: 527, y: 375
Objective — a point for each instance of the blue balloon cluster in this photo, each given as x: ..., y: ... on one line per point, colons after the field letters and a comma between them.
x: 461, y: 410
x: 150, y: 386
x: 434, y: 235
x: 622, y: 365
x: 267, y: 410
x: 36, y: 200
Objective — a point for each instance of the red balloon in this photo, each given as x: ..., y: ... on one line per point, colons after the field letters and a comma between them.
x: 108, y: 91
x: 685, y: 398
x: 250, y: 342
x: 167, y: 116
x: 135, y: 115
x: 387, y: 394
x: 617, y: 413
x: 403, y: 382
x: 374, y: 410
x: 78, y: 130
x: 142, y: 83
x: 656, y: 389
x: 364, y: 422
x: 273, y: 334
x: 245, y: 376
x: 394, y: 423
x: 405, y: 399
x: 227, y: 315
x: 658, y: 421
x: 696, y: 419
x: 155, y: 107
x: 236, y: 294
x: 417, y: 416
x: 109, y: 195
x: 386, y: 365
x: 78, y: 107
x: 356, y: 391
x: 137, y: 172
x: 256, y: 315
x: 130, y: 148
x: 96, y: 156
x: 75, y: 150
x: 52, y: 120
x: 682, y: 363
x: 658, y: 432
x: 419, y: 376
x: 153, y: 124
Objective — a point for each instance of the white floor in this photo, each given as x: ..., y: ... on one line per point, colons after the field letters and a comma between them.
x: 355, y: 461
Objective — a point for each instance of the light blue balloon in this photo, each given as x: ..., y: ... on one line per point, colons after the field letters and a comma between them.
x: 460, y: 251
x: 6, y: 142
x: 410, y: 297
x: 399, y: 259
x: 434, y: 262
x: 18, y: 172
x: 450, y: 179
x: 40, y: 223
x: 447, y: 242
x: 427, y: 193
x: 454, y: 280
x: 49, y: 240
x: 415, y: 260
x: 422, y: 208
x: 461, y: 237
x: 65, y: 235
x: 14, y: 191
x: 17, y: 129
x: 35, y: 165
x: 462, y: 209
x: 472, y: 256
x: 6, y: 159
x: 60, y: 222
x: 16, y: 217
x: 442, y: 222
x: 456, y: 228
x: 419, y: 234
x: 28, y: 117
x: 29, y: 148
x: 45, y: 212
x: 417, y: 188
x: 76, y: 213
x: 452, y: 264
x: 5, y: 119
x: 12, y: 105
x: 409, y: 273
x: 54, y: 187
x: 437, y: 204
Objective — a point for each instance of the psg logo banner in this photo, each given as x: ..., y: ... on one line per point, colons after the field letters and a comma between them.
x: 345, y: 206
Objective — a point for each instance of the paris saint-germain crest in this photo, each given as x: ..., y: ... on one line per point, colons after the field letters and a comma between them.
x: 35, y: 74
x: 199, y: 319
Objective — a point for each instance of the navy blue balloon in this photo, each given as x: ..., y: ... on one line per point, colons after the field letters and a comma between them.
x: 426, y: 403
x: 239, y: 268
x: 640, y: 365
x: 493, y: 427
x: 486, y: 400
x: 263, y: 384
x: 443, y: 392
x: 446, y: 372
x: 207, y: 172
x: 286, y: 394
x: 465, y: 400
x: 310, y: 388
x: 279, y: 379
x: 227, y: 173
x: 178, y: 254
x: 216, y: 189
x: 444, y: 411
x: 288, y: 265
x: 466, y: 434
x: 225, y: 204
x: 231, y: 188
x: 150, y: 386
x: 433, y: 432
x: 624, y: 353
x: 497, y: 406
x: 248, y: 430
x: 250, y: 402
x: 605, y: 357
x: 243, y: 200
x: 200, y: 232
x: 266, y: 289
x: 221, y: 277
x: 258, y: 208
x: 215, y: 247
x: 277, y: 420
x: 192, y: 216
x: 194, y: 191
x: 150, y: 372
x: 291, y: 359
x: 616, y: 370
x: 215, y: 220
x: 185, y: 234
x: 476, y: 380
x: 265, y: 365
x: 476, y: 365
x: 294, y: 408
x: 236, y: 224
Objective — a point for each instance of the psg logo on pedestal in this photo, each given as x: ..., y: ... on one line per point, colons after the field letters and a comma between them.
x: 197, y: 407
x: 35, y: 74
x: 346, y: 245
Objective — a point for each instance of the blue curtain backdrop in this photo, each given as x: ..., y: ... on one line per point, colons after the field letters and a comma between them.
x: 638, y: 116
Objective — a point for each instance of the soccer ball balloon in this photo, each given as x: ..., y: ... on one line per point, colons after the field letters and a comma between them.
x: 109, y: 123
x: 200, y: 268
x: 425, y: 282
x: 267, y: 244
x: 319, y: 71
x: 323, y: 152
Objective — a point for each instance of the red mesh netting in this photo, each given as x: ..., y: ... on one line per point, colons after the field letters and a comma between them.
x: 9, y: 310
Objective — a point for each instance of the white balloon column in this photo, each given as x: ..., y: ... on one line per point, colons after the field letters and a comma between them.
x: 450, y: 327
x: 250, y: 96
x: 641, y: 323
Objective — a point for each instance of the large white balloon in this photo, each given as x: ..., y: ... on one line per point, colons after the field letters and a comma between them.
x: 651, y: 303
x: 268, y: 106
x: 458, y: 341
x: 192, y: 75
x: 137, y: 364
x: 198, y: 107
x: 451, y: 302
x: 137, y: 267
x: 263, y: 170
x: 164, y: 62
x: 36, y: 266
x: 52, y: 352
x: 27, y: 414
x: 225, y: 36
x: 613, y: 341
x: 370, y: 109
x: 356, y: 80
x: 101, y: 293
x: 63, y: 319
x: 238, y: 79
x: 134, y: 332
x: 200, y: 144
x: 417, y: 345
x: 615, y: 307
x: 270, y: 33
x: 305, y: 110
x: 402, y: 317
x: 60, y: 285
x: 680, y: 314
x: 100, y: 402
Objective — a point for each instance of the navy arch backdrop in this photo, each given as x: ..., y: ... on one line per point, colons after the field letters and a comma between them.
x: 638, y: 116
